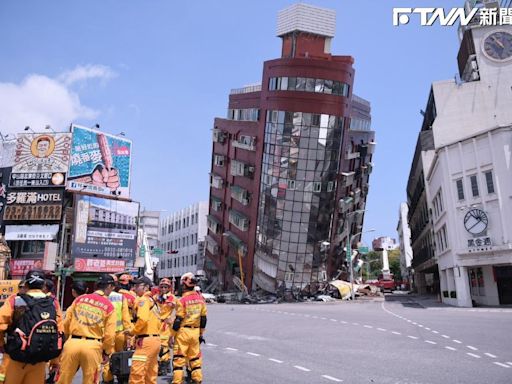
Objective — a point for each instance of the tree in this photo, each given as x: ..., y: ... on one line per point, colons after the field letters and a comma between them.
x: 394, y: 263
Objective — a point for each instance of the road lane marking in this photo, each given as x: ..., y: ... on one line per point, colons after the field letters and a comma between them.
x: 419, y: 325
x: 490, y: 355
x: 324, y: 318
x: 276, y: 361
x: 396, y: 333
x: 333, y: 320
x: 231, y: 349
x: 430, y: 342
x: 446, y: 337
x: 355, y: 323
x: 451, y: 348
x: 501, y: 364
x: 343, y: 322
x: 381, y: 329
x: 435, y: 332
x: 253, y: 354
x: 212, y: 345
x: 472, y: 354
x: 509, y: 363
x: 472, y: 348
x: 457, y: 341
x: 428, y: 329
x: 413, y: 337
x: 368, y: 326
x: 332, y: 378
x: 302, y: 368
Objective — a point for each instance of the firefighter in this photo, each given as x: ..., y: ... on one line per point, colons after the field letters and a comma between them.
x: 22, y: 289
x: 91, y: 330
x: 187, y: 331
x: 146, y: 330
x: 123, y: 327
x: 18, y: 372
x: 166, y: 303
x: 124, y: 287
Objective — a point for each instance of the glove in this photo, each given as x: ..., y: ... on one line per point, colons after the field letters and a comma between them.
x: 202, y: 340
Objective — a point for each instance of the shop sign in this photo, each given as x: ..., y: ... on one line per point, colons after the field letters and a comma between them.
x: 36, y: 179
x: 31, y: 232
x: 8, y: 288
x: 20, y: 267
x: 99, y: 265
x: 477, y: 242
x: 44, y: 205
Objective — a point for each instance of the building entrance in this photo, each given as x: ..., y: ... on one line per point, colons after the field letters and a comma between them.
x: 504, y: 281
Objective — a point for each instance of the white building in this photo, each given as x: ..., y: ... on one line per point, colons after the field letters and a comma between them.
x: 404, y: 239
x: 469, y: 181
x: 149, y: 222
x: 183, y: 231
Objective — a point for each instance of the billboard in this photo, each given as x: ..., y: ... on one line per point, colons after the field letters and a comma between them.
x: 20, y: 267
x: 104, y: 229
x: 100, y: 163
x: 42, y: 153
x: 34, y: 205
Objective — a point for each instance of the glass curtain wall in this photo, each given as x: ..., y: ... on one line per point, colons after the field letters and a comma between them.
x: 300, y: 163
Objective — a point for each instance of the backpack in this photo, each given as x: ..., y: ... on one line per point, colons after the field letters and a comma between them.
x: 33, y: 336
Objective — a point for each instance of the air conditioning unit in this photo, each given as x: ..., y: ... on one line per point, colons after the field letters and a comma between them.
x: 251, y: 169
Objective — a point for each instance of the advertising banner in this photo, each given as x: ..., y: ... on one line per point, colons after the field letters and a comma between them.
x: 100, y: 163
x: 104, y: 228
x: 36, y: 179
x: 42, y: 153
x: 34, y: 205
x: 99, y: 265
x: 20, y: 267
x: 8, y: 288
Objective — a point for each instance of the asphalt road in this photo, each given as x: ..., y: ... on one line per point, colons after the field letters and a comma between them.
x: 398, y: 342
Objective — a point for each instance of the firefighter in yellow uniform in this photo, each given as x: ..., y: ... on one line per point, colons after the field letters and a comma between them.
x: 187, y: 331
x: 146, y: 330
x: 17, y: 372
x: 22, y: 289
x: 166, y: 302
x: 123, y: 287
x: 91, y: 329
x: 123, y: 327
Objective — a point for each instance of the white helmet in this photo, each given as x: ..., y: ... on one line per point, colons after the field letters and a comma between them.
x: 188, y: 275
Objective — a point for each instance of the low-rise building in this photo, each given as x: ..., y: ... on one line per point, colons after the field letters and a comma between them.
x: 181, y: 237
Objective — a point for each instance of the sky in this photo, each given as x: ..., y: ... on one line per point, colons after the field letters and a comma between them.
x: 161, y: 70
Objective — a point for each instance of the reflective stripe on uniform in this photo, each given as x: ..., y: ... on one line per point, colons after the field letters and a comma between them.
x: 2, y: 377
x: 139, y: 358
x: 164, y: 337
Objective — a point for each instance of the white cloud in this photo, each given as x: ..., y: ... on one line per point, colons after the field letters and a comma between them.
x: 82, y: 73
x: 39, y: 100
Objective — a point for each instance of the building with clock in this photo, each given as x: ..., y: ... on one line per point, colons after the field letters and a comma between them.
x: 467, y: 181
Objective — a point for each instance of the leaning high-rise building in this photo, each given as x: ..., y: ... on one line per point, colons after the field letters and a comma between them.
x: 290, y: 163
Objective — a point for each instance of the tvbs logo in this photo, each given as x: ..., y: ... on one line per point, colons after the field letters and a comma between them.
x: 428, y: 16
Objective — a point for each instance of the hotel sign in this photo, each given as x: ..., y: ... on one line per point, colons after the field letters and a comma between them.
x: 45, y: 205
